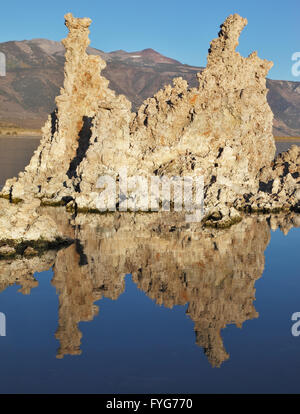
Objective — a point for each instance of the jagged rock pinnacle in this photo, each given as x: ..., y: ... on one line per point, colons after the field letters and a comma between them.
x: 221, y: 130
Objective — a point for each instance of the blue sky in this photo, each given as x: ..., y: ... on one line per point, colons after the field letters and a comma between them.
x: 178, y: 29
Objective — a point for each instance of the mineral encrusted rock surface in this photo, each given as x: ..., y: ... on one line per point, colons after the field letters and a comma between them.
x: 221, y: 130
x: 27, y: 230
x: 279, y: 184
x: 72, y: 128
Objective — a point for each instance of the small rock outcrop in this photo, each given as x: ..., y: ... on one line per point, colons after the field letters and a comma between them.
x: 221, y: 130
x: 279, y: 184
x: 26, y: 230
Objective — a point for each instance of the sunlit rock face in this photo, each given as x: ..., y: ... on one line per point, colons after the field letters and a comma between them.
x: 24, y: 221
x: 27, y: 230
x: 279, y: 184
x: 221, y: 130
x: 73, y: 127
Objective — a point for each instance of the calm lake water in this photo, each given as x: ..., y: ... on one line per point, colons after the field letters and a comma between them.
x: 284, y: 146
x: 15, y: 154
x: 140, y: 305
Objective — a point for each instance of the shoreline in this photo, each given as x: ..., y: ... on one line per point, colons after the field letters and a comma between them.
x: 287, y: 139
x: 24, y: 136
x: 39, y: 136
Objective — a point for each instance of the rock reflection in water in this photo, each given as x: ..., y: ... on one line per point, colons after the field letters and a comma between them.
x: 21, y: 271
x: 174, y: 263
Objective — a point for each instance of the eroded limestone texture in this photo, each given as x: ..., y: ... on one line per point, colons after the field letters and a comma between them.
x: 72, y: 128
x: 221, y: 130
x: 26, y: 229
x: 279, y: 184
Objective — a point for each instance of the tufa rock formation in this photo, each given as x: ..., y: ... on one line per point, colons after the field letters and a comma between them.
x: 221, y: 130
x: 71, y: 129
x: 25, y: 229
x: 279, y: 184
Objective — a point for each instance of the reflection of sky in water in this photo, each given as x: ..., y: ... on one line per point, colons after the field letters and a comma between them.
x: 134, y: 345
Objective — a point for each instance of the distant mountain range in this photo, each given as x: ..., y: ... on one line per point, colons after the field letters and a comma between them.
x: 35, y: 75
